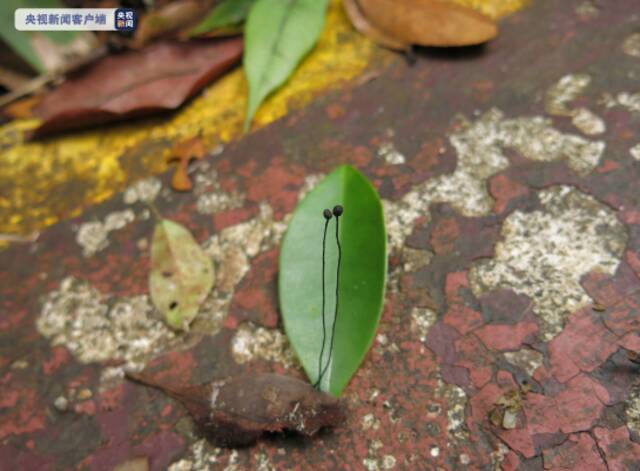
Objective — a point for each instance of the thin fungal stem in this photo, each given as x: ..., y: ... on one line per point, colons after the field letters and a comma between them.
x: 324, y: 329
x: 335, y: 316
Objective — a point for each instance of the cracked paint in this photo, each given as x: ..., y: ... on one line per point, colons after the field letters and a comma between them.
x: 544, y: 254
x: 96, y: 327
x: 479, y: 147
x: 526, y: 359
x: 433, y: 375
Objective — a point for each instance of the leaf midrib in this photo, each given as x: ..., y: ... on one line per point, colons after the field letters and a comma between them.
x: 275, y: 46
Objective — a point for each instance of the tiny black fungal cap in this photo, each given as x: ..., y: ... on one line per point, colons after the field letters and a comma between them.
x: 337, y: 210
x: 327, y: 214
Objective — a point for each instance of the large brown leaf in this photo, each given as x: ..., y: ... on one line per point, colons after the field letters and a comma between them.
x: 364, y: 26
x: 159, y: 77
x: 428, y: 22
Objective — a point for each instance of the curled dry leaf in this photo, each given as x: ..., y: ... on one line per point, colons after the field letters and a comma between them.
x: 427, y: 22
x: 181, y: 274
x: 169, y: 19
x: 135, y: 83
x: 236, y: 412
x: 362, y: 25
x: 184, y: 152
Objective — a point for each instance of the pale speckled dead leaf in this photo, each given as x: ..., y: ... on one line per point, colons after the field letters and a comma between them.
x: 181, y: 274
x: 428, y: 22
x: 362, y: 25
x: 136, y: 464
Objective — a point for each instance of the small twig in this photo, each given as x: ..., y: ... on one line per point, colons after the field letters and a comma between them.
x: 154, y: 211
x: 16, y: 238
x: 337, y: 212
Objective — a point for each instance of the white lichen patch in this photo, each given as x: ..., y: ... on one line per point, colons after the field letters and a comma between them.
x: 479, y: 149
x: 632, y: 410
x: 251, y: 342
x: 567, y: 89
x: 93, y: 236
x: 635, y: 151
x: 497, y: 456
x: 456, y: 400
x: 588, y: 122
x: 543, y: 254
x: 388, y: 152
x: 587, y: 10
x: 211, y: 198
x: 96, y: 327
x: 375, y: 462
x: 231, y: 251
x: 564, y: 91
x: 310, y: 182
x: 370, y: 422
x: 422, y: 319
x: 233, y: 248
x: 201, y: 457
x: 526, y: 359
x: 627, y: 100
x: 263, y: 463
x: 631, y: 45
x: 110, y: 376
x: 144, y: 191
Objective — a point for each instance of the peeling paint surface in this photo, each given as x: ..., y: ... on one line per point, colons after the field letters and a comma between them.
x: 544, y: 254
x: 95, y: 327
x: 513, y: 280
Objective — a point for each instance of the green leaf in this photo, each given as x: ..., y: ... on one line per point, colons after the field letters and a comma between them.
x: 227, y: 13
x: 20, y: 41
x: 362, y: 276
x: 181, y: 274
x: 278, y: 34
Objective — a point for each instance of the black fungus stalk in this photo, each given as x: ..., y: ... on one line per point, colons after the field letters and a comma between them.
x: 337, y: 212
x: 327, y: 216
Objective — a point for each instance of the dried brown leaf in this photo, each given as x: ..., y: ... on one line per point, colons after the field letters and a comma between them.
x: 21, y: 109
x: 184, y: 152
x: 238, y: 411
x: 428, y: 22
x: 362, y: 25
x: 135, y: 83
